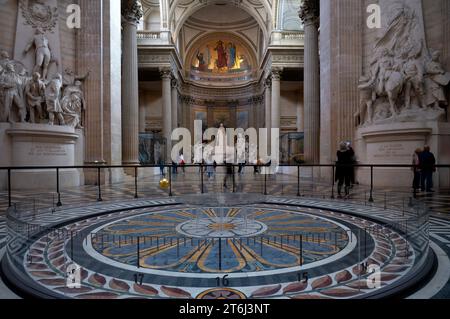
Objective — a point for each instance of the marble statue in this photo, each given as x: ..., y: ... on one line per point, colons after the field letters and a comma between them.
x: 35, y: 97
x: 385, y: 78
x: 43, y: 54
x: 73, y: 104
x: 59, y: 98
x: 413, y: 71
x: 70, y: 77
x: 10, y: 86
x: 221, y: 136
x: 403, y: 77
x: 52, y: 99
x: 365, y: 113
x: 435, y: 80
x: 4, y: 59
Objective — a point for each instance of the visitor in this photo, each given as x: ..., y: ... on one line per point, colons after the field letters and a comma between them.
x: 344, y: 168
x: 416, y: 169
x: 427, y: 163
x: 182, y: 162
x: 210, y: 170
x: 210, y: 165
x: 161, y: 168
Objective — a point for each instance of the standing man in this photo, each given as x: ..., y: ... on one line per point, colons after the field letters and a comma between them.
x: 10, y: 82
x: 43, y: 54
x: 427, y: 167
x: 53, y: 100
x: 343, y: 169
x: 35, y: 95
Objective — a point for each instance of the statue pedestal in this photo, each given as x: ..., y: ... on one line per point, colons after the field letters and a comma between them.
x: 39, y: 145
x: 395, y: 144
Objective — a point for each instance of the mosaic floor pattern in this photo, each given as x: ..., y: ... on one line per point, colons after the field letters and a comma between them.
x: 146, y: 253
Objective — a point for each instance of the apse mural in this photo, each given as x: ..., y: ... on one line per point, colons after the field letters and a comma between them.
x: 242, y: 119
x: 221, y: 60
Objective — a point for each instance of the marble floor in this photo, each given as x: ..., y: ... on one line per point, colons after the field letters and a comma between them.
x: 279, y: 185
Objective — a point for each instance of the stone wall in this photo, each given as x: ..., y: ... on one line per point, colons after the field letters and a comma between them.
x: 8, y: 24
x: 8, y: 21
x: 341, y: 48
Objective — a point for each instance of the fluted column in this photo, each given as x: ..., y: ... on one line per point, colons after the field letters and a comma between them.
x: 268, y: 102
x: 142, y: 116
x: 276, y: 87
x: 90, y: 58
x: 174, y: 104
x: 166, y: 76
x: 309, y: 13
x: 131, y: 13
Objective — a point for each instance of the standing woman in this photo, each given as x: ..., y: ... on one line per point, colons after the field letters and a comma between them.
x: 344, y: 168
x: 416, y: 168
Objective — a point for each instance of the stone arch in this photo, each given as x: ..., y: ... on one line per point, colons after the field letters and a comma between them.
x: 199, y: 5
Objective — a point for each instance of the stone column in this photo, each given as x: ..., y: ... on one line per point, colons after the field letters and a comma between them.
x: 174, y: 104
x: 309, y: 13
x: 166, y: 76
x: 268, y: 102
x: 90, y: 58
x: 142, y: 116
x: 276, y: 87
x: 131, y: 13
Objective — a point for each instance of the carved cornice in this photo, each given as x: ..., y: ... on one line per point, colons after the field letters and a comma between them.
x: 132, y: 11
x: 310, y: 12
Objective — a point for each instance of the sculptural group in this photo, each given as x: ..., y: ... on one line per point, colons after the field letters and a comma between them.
x: 54, y: 100
x: 405, y: 79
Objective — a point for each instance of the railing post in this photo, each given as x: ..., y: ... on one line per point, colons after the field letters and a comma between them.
x: 220, y: 253
x: 138, y: 252
x: 234, y: 181
x: 99, y: 199
x: 59, y: 204
x: 265, y: 182
x: 298, y: 180
x: 371, y: 184
x: 333, y: 182
x: 170, y: 180
x: 136, y: 182
x: 301, y: 250
x: 9, y: 188
x: 71, y: 245
x: 201, y: 174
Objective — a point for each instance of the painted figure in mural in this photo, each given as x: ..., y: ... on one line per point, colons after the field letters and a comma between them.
x: 231, y: 51
x: 73, y: 104
x: 208, y: 56
x: 222, y: 60
x: 43, y: 55
x: 11, y: 85
x: 52, y: 98
x: 202, y: 66
x: 35, y: 97
x: 435, y: 81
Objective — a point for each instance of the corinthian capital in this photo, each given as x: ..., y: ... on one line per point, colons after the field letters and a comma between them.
x: 310, y: 11
x: 132, y: 11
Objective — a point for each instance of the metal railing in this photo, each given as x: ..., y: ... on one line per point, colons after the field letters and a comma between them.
x: 264, y: 179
